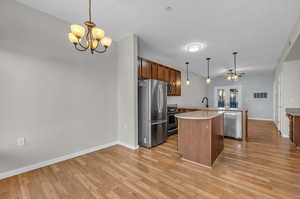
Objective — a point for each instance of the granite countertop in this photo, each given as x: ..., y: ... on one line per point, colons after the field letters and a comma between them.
x: 293, y: 111
x: 213, y: 108
x: 199, y: 115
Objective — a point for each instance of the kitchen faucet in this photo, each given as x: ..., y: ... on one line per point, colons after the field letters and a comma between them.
x: 205, y: 99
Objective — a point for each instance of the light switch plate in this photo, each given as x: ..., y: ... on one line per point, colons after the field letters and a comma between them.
x: 21, y: 141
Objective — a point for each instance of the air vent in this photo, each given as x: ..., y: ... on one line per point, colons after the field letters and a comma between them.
x: 260, y: 95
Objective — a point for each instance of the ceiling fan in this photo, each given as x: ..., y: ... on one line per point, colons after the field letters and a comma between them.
x: 232, y: 74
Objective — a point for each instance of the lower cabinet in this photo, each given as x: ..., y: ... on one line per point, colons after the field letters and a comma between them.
x: 294, y: 129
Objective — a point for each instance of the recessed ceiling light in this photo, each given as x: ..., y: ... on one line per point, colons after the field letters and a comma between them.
x: 195, y: 47
x: 168, y: 8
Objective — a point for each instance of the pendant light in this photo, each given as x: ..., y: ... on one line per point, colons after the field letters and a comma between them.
x: 187, y: 73
x: 235, y: 76
x: 208, y: 80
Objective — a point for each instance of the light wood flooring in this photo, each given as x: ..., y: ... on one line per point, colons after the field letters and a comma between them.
x: 268, y: 166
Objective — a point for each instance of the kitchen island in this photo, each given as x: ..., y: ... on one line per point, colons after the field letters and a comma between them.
x: 244, y: 114
x: 294, y: 127
x: 201, y: 136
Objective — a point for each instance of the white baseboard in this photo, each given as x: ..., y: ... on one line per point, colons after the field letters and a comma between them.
x: 56, y: 160
x: 128, y: 146
x: 262, y: 119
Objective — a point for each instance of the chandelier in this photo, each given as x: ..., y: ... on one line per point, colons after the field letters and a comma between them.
x: 92, y: 40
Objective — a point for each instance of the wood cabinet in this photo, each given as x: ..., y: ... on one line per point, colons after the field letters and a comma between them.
x: 154, y: 71
x: 160, y: 73
x: 294, y: 129
x: 145, y: 70
x: 151, y: 70
x: 172, y: 76
x: 201, y: 140
x: 178, y: 84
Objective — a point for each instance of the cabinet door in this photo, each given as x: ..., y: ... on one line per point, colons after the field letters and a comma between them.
x: 154, y: 71
x: 172, y: 81
x: 166, y: 74
x: 178, y: 83
x: 139, y: 68
x: 160, y: 72
x: 145, y: 69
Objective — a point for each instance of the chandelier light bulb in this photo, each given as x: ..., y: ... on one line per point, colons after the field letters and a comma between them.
x: 106, y: 41
x: 98, y: 33
x: 73, y: 39
x: 188, y: 82
x: 77, y: 30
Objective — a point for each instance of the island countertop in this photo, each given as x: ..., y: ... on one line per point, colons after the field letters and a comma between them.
x: 199, y: 115
x: 293, y: 111
x: 212, y: 108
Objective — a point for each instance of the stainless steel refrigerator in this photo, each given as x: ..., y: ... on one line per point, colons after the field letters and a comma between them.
x: 152, y: 110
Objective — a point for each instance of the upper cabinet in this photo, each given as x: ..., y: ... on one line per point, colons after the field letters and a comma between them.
x: 145, y: 69
x: 154, y: 71
x: 178, y: 83
x: 151, y: 70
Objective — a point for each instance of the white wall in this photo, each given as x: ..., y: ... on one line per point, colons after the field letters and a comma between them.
x: 288, y: 76
x: 291, y: 73
x: 62, y: 101
x: 127, y: 91
x: 250, y: 83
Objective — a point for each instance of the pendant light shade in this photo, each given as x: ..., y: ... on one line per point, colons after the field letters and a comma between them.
x: 208, y: 80
x: 187, y: 73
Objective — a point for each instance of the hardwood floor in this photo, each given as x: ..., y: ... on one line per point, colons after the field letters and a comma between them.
x: 268, y: 166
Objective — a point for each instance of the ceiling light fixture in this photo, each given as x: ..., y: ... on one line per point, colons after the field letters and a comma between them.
x: 168, y: 8
x: 232, y: 74
x: 208, y: 80
x: 94, y: 38
x: 195, y: 47
x: 187, y: 74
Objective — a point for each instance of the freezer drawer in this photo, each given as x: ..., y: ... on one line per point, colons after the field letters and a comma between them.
x: 159, y: 133
x: 233, y: 125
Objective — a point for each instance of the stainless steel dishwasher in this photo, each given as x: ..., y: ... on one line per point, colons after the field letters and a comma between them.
x: 233, y: 124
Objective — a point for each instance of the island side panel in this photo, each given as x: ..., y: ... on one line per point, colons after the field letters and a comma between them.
x: 245, y: 125
x: 217, y: 139
x: 296, y: 131
x: 194, y: 140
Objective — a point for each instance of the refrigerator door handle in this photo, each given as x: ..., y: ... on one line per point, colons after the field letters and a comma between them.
x: 159, y: 122
x: 160, y: 98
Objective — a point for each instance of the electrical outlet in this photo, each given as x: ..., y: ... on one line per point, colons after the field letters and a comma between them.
x: 21, y: 141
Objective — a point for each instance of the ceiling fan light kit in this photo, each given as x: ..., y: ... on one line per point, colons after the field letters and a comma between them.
x: 94, y: 38
x: 232, y: 75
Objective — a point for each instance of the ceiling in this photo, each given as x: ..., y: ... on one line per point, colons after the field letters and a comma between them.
x: 257, y: 29
x: 294, y: 53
